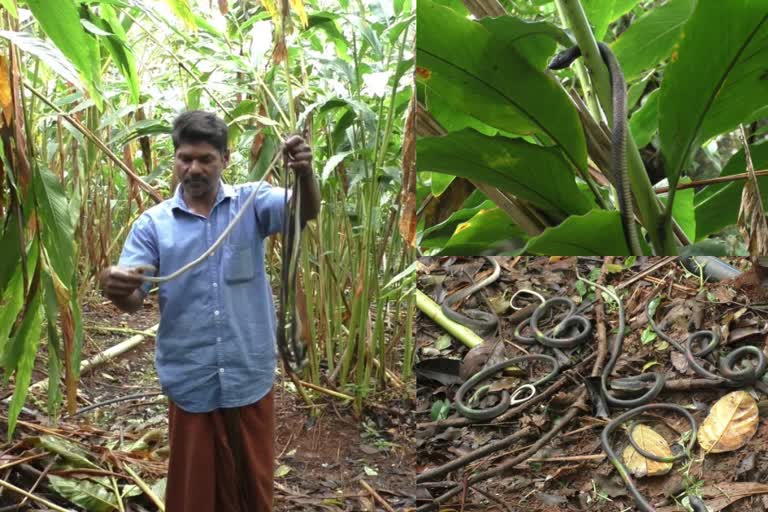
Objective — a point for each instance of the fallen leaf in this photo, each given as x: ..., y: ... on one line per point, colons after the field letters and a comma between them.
x: 719, y: 496
x: 652, y: 442
x: 730, y: 424
x: 282, y: 470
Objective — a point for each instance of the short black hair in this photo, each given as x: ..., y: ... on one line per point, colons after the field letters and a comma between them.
x: 200, y: 126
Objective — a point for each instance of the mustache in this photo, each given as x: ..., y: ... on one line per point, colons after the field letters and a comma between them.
x: 196, y: 179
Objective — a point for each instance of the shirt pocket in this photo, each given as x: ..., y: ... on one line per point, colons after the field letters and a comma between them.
x: 239, y: 264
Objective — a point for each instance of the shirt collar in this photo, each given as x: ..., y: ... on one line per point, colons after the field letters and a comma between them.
x: 225, y: 191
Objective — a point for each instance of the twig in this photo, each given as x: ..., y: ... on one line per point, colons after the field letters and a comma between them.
x: 472, y: 456
x: 115, y: 400
x: 102, y: 357
x: 495, y: 500
x: 710, y: 181
x: 501, y: 468
x: 145, y: 488
x: 376, y: 496
x: 572, y: 458
x: 37, y: 482
x: 22, y: 460
x: 31, y: 496
x: 641, y: 275
x: 327, y: 391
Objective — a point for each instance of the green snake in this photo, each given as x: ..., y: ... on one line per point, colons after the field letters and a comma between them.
x: 618, y: 137
x: 605, y: 439
x: 484, y: 322
x: 552, y: 339
x: 505, y: 400
x: 728, y: 374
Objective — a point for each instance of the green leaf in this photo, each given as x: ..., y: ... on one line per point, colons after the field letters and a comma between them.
x: 536, y: 41
x: 440, y: 410
x: 648, y: 335
x: 54, y: 346
x: 140, y: 129
x: 10, y: 6
x: 58, y: 231
x: 717, y: 206
x: 118, y: 46
x: 25, y: 342
x: 183, y: 11
x: 48, y: 55
x: 654, y: 304
x: 481, y: 74
x: 92, y: 494
x: 645, y: 121
x: 68, y: 450
x: 11, y: 253
x: 451, y: 118
x: 60, y: 20
x: 93, y: 29
x: 707, y: 74
x: 650, y: 39
x: 12, y: 301
x: 487, y: 230
x: 443, y: 342
x: 535, y: 173
x: 649, y: 364
x: 581, y: 287
x: 439, y: 183
x: 332, y: 163
x: 600, y: 14
x: 596, y: 233
x: 683, y: 210
x: 436, y: 236
x: 621, y: 7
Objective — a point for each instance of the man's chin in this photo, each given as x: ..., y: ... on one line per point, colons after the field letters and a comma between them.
x: 196, y: 191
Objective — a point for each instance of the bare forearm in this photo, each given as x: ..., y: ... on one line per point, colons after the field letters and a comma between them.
x: 310, y: 196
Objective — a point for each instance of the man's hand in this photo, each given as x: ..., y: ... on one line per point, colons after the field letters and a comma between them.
x: 120, y: 285
x: 299, y: 155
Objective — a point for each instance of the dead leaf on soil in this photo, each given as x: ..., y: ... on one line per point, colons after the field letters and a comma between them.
x: 730, y: 424
x: 719, y: 496
x: 652, y: 442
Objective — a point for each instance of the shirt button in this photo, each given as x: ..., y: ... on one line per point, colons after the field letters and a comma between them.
x: 218, y: 339
x: 221, y: 370
x: 215, y: 285
x: 216, y: 313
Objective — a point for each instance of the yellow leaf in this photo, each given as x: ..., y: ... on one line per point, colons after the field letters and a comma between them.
x: 730, y: 424
x: 647, y: 439
x: 298, y: 6
x: 5, y: 91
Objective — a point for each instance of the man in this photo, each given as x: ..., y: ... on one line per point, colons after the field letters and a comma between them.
x: 215, y: 352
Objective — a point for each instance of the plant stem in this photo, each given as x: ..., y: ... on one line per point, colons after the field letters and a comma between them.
x: 648, y: 205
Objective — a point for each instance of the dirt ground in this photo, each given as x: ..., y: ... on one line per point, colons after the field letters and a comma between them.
x: 571, y: 471
x: 322, y: 460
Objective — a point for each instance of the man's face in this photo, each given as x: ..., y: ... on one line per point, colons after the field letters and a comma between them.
x: 198, y: 167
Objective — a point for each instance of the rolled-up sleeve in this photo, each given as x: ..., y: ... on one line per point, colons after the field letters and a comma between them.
x: 140, y: 247
x: 270, y: 209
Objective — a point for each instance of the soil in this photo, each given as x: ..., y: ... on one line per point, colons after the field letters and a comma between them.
x: 322, y: 458
x: 587, y: 481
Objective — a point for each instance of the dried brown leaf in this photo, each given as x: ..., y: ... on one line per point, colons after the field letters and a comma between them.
x: 652, y: 442
x: 730, y: 424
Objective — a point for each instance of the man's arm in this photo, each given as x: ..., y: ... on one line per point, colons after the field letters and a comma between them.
x: 309, y: 189
x: 299, y: 156
x: 123, y: 288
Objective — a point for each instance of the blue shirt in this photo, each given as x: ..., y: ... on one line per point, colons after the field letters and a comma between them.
x: 216, y: 340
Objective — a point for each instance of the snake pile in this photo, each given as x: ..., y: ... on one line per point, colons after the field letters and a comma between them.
x: 571, y: 330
